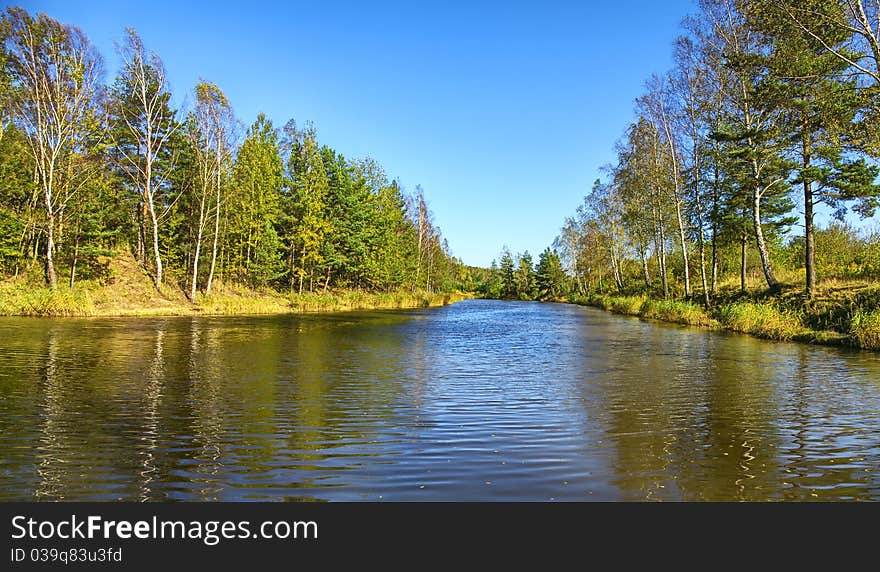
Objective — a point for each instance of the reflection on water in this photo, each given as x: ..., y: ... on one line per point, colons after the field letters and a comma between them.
x: 482, y: 400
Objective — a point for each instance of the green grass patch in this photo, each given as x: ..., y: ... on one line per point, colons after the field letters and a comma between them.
x: 357, y: 300
x: 865, y: 330
x: 762, y: 320
x: 676, y: 311
x: 21, y: 299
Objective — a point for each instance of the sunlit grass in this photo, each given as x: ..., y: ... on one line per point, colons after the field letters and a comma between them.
x: 20, y: 299
x: 90, y: 298
x: 865, y: 330
x: 760, y: 319
x: 677, y: 311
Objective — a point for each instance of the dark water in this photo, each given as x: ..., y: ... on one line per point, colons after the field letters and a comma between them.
x: 481, y: 400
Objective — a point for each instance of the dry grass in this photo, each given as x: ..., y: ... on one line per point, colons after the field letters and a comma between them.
x: 127, y: 290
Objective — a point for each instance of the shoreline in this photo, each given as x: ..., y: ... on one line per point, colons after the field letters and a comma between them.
x: 43, y: 303
x: 761, y: 321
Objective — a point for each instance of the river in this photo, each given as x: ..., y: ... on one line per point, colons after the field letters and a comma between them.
x: 481, y: 400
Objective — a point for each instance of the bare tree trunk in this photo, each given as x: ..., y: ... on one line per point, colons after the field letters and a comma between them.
x: 51, y: 277
x: 429, y: 268
x: 772, y: 283
x: 195, y: 273
x: 661, y: 258
x: 809, y: 244
x: 644, y: 257
x: 615, y: 272
x: 701, y: 242
x: 292, y: 262
x: 684, y: 251
x: 73, y: 263
x: 216, y: 230
x: 141, y: 233
x: 155, y: 224
x: 744, y: 243
x: 303, y: 270
x: 715, y: 206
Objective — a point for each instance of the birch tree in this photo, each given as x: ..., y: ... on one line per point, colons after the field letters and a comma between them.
x: 209, y: 133
x: 656, y: 109
x: 754, y: 119
x: 146, y: 122
x: 54, y: 75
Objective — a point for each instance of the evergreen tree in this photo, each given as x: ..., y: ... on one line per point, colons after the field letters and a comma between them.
x: 508, y: 282
x: 525, y: 279
x: 255, y: 206
x: 308, y: 204
x: 823, y: 103
x: 549, y: 276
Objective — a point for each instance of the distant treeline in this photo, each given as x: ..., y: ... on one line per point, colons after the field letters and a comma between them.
x: 517, y: 277
x: 88, y: 168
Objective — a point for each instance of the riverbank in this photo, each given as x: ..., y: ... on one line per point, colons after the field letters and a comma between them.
x: 848, y: 317
x: 89, y: 299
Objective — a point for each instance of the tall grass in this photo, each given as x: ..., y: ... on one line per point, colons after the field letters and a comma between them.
x: 356, y: 300
x: 762, y: 320
x: 676, y: 311
x: 865, y: 330
x: 90, y: 298
x: 26, y: 300
x: 238, y: 304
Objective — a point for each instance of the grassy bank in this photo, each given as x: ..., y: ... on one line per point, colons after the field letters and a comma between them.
x: 836, y: 319
x: 24, y: 300
x: 131, y: 293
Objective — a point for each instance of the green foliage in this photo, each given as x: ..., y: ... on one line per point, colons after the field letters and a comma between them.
x: 865, y: 330
x: 508, y: 282
x: 550, y: 278
x: 524, y: 277
x: 256, y: 251
x: 274, y: 213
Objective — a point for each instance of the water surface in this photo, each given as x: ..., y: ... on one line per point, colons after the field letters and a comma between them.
x: 481, y: 400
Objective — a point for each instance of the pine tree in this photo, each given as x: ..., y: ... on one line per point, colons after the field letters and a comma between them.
x: 255, y: 205
x: 525, y: 277
x: 823, y: 103
x: 549, y: 276
x: 508, y: 282
x: 308, y: 202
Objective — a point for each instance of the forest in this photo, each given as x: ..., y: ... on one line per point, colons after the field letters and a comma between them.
x: 768, y: 118
x: 94, y: 171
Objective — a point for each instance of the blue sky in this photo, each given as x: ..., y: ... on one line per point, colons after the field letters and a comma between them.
x: 502, y: 111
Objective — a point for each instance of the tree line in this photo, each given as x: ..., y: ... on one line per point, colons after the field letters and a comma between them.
x: 770, y: 110
x: 88, y: 168
x: 518, y: 277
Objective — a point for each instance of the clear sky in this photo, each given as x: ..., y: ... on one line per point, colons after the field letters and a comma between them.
x: 502, y: 111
